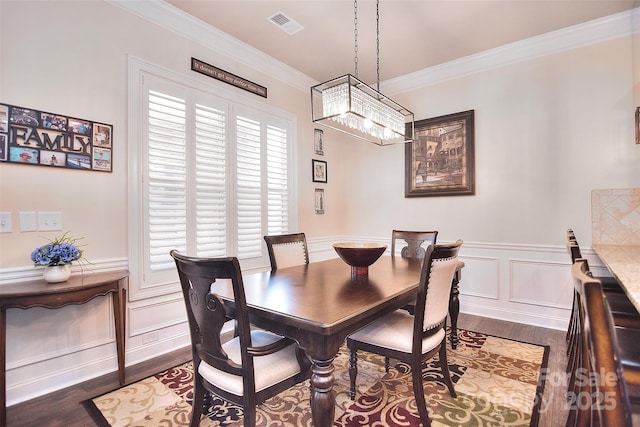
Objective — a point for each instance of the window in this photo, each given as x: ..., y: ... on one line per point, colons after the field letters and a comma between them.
x: 210, y: 174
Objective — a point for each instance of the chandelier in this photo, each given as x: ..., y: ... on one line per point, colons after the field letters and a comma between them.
x: 351, y: 106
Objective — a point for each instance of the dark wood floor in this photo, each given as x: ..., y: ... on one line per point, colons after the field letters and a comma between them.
x: 63, y: 408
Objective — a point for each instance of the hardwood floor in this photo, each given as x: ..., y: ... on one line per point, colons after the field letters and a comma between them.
x: 62, y: 408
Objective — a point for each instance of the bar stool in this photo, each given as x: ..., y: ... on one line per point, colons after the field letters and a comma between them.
x: 609, y: 356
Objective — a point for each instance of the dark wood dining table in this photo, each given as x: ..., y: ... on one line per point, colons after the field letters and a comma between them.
x: 319, y: 305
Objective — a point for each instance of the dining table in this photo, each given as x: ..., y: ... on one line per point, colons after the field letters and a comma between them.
x: 319, y: 304
x: 623, y: 261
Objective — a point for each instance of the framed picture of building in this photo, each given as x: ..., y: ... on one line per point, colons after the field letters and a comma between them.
x: 440, y: 161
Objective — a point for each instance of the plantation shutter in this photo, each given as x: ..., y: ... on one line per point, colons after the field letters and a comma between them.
x: 248, y: 190
x: 210, y: 179
x: 277, y: 181
x: 211, y: 182
x: 167, y: 179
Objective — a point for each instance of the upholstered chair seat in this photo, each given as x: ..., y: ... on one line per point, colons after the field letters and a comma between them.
x: 395, y: 331
x: 269, y: 370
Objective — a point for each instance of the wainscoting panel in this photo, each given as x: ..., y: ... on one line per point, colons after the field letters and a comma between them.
x: 156, y: 313
x: 480, y: 277
x: 540, y: 283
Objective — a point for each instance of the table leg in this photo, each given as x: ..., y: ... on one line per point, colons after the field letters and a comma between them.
x: 119, y: 313
x: 454, y: 308
x: 323, y: 399
x: 3, y: 373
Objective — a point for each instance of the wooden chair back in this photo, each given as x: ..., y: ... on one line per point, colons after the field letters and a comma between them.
x: 414, y: 241
x: 287, y: 250
x: 206, y: 312
x: 432, y: 302
x: 603, y: 399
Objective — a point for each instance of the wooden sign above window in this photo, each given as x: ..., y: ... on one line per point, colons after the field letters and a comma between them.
x: 35, y: 137
x: 224, y: 76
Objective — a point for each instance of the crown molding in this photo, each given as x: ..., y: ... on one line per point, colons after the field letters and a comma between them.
x: 596, y: 31
x: 177, y: 21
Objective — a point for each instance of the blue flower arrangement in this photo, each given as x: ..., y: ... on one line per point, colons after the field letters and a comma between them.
x: 60, y: 251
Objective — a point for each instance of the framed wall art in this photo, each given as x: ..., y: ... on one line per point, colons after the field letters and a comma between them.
x: 319, y: 170
x: 440, y: 161
x: 318, y: 142
x: 319, y: 200
x: 638, y: 125
x: 41, y: 138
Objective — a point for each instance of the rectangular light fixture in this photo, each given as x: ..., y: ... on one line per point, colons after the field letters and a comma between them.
x: 350, y: 106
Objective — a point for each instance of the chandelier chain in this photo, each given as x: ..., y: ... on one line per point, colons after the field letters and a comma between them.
x: 378, y: 43
x: 355, y: 34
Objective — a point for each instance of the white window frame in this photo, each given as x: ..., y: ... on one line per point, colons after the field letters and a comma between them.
x: 142, y: 283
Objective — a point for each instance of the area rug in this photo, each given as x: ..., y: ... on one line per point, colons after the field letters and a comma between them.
x: 498, y: 383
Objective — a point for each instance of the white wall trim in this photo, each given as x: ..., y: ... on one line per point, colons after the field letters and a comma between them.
x: 513, y: 315
x: 596, y: 31
x: 28, y: 273
x: 180, y: 22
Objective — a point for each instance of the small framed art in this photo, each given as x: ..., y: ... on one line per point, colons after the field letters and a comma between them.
x: 319, y: 170
x: 319, y: 201
x: 318, y: 142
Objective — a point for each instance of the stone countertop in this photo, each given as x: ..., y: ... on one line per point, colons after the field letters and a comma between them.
x: 624, y: 263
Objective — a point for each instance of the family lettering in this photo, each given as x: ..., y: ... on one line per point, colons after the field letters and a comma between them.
x: 49, y: 140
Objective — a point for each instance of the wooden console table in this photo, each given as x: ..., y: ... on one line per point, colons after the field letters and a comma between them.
x: 77, y: 290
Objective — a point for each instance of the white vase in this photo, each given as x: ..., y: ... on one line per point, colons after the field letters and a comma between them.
x: 57, y: 273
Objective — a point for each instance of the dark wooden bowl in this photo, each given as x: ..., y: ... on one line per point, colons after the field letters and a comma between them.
x: 359, y: 255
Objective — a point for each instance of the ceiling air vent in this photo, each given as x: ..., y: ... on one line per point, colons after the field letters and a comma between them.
x: 285, y: 23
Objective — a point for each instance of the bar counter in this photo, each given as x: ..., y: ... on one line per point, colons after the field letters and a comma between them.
x: 624, y: 263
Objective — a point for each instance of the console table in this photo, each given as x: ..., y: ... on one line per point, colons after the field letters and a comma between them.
x: 77, y: 290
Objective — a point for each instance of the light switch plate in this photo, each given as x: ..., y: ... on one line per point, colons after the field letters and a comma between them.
x: 49, y: 221
x: 28, y: 221
x: 5, y: 222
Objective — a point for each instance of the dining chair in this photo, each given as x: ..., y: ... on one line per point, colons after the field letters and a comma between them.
x: 246, y: 370
x: 598, y: 388
x: 415, y: 338
x: 287, y: 250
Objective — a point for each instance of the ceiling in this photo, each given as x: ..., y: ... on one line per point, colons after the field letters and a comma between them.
x: 414, y: 34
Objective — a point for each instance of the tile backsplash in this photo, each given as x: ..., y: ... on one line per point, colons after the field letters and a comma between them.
x: 615, y: 216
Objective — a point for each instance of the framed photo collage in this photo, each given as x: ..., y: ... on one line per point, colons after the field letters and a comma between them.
x: 41, y: 138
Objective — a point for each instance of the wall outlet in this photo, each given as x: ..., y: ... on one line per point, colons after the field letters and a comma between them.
x: 5, y: 222
x: 49, y: 221
x: 28, y: 221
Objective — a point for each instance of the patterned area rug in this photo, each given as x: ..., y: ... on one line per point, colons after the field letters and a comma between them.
x: 498, y: 383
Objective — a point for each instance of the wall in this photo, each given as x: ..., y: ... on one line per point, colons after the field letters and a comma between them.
x: 548, y: 130
x: 71, y: 58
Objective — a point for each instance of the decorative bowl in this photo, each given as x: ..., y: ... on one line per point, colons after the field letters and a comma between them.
x: 359, y: 255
